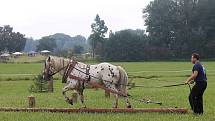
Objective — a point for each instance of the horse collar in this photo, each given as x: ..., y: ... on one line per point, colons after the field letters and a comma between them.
x: 69, y: 69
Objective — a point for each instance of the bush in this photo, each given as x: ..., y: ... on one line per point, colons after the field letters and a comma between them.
x: 39, y: 85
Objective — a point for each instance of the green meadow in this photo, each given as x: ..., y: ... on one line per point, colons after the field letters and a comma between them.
x: 15, y: 80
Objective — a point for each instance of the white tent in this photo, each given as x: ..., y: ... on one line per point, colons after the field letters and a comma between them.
x: 17, y: 53
x: 45, y: 51
x: 5, y: 55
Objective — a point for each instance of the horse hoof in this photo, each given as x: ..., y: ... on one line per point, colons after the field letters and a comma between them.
x: 84, y: 107
x: 70, y: 101
x: 129, y: 106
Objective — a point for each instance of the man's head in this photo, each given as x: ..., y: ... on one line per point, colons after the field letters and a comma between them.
x: 195, y: 57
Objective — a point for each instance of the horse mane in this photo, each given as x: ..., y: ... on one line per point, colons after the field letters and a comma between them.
x: 59, y: 62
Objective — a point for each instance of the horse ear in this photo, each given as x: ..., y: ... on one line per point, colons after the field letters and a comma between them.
x: 49, y: 59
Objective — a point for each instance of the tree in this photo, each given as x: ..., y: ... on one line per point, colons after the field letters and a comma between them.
x: 181, y: 27
x: 31, y: 45
x: 125, y: 45
x: 206, y: 25
x: 78, y: 49
x: 96, y: 39
x: 64, y: 53
x: 11, y: 41
x: 46, y: 43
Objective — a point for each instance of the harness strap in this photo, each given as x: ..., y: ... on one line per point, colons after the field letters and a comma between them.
x: 88, y: 77
x: 88, y: 73
x: 69, y: 69
x: 97, y: 85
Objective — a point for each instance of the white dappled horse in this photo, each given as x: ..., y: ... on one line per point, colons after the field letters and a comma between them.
x: 110, y: 76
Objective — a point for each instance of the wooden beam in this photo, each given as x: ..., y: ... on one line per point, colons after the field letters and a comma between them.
x: 97, y: 110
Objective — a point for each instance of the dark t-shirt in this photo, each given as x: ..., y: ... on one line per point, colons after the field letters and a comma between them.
x: 201, y: 72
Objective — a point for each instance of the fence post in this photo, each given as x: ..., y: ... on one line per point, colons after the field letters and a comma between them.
x: 31, y: 101
x: 50, y: 85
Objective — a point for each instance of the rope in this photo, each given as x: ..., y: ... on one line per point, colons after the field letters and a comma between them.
x: 173, y: 85
x: 168, y: 71
x: 146, y: 101
x: 160, y: 71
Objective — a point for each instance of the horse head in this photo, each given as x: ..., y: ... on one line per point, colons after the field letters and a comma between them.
x: 49, y: 68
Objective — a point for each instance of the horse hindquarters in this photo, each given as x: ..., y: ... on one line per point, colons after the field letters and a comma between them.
x: 123, y: 81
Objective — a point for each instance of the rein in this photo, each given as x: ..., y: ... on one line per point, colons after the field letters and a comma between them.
x: 57, y: 71
x: 173, y: 85
x: 71, y: 66
x: 97, y: 85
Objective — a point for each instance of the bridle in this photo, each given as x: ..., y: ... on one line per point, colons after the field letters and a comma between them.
x: 48, y: 73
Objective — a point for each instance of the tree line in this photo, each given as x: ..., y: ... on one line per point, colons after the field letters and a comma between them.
x: 11, y: 41
x: 175, y: 29
x: 59, y: 44
x: 181, y: 27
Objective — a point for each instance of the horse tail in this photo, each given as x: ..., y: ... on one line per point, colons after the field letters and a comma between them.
x: 123, y: 80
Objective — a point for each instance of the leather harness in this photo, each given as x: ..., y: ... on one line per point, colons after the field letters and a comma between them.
x: 88, y: 77
x: 88, y: 80
x: 69, y: 69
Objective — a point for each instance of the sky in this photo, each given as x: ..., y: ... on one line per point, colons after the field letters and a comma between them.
x: 38, y: 18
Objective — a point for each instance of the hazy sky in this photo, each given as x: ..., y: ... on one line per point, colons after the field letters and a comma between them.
x: 37, y: 18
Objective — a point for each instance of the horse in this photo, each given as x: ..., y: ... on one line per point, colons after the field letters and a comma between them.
x: 110, y: 76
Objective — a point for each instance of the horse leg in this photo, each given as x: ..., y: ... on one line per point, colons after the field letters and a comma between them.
x: 67, y: 99
x: 127, y: 102
x: 116, y: 96
x: 128, y: 105
x: 115, y: 103
x: 81, y: 96
x: 116, y: 89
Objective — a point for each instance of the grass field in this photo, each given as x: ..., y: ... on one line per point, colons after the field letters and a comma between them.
x: 14, y: 93
x: 27, y: 59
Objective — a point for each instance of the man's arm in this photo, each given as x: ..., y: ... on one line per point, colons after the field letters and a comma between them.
x: 192, y: 77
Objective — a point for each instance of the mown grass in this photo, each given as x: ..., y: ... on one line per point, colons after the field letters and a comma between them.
x: 15, y: 93
x: 27, y: 59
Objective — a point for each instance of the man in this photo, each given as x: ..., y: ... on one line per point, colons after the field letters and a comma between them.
x: 200, y: 79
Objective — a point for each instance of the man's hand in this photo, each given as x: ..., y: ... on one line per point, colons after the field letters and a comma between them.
x: 189, y: 82
x: 191, y: 78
